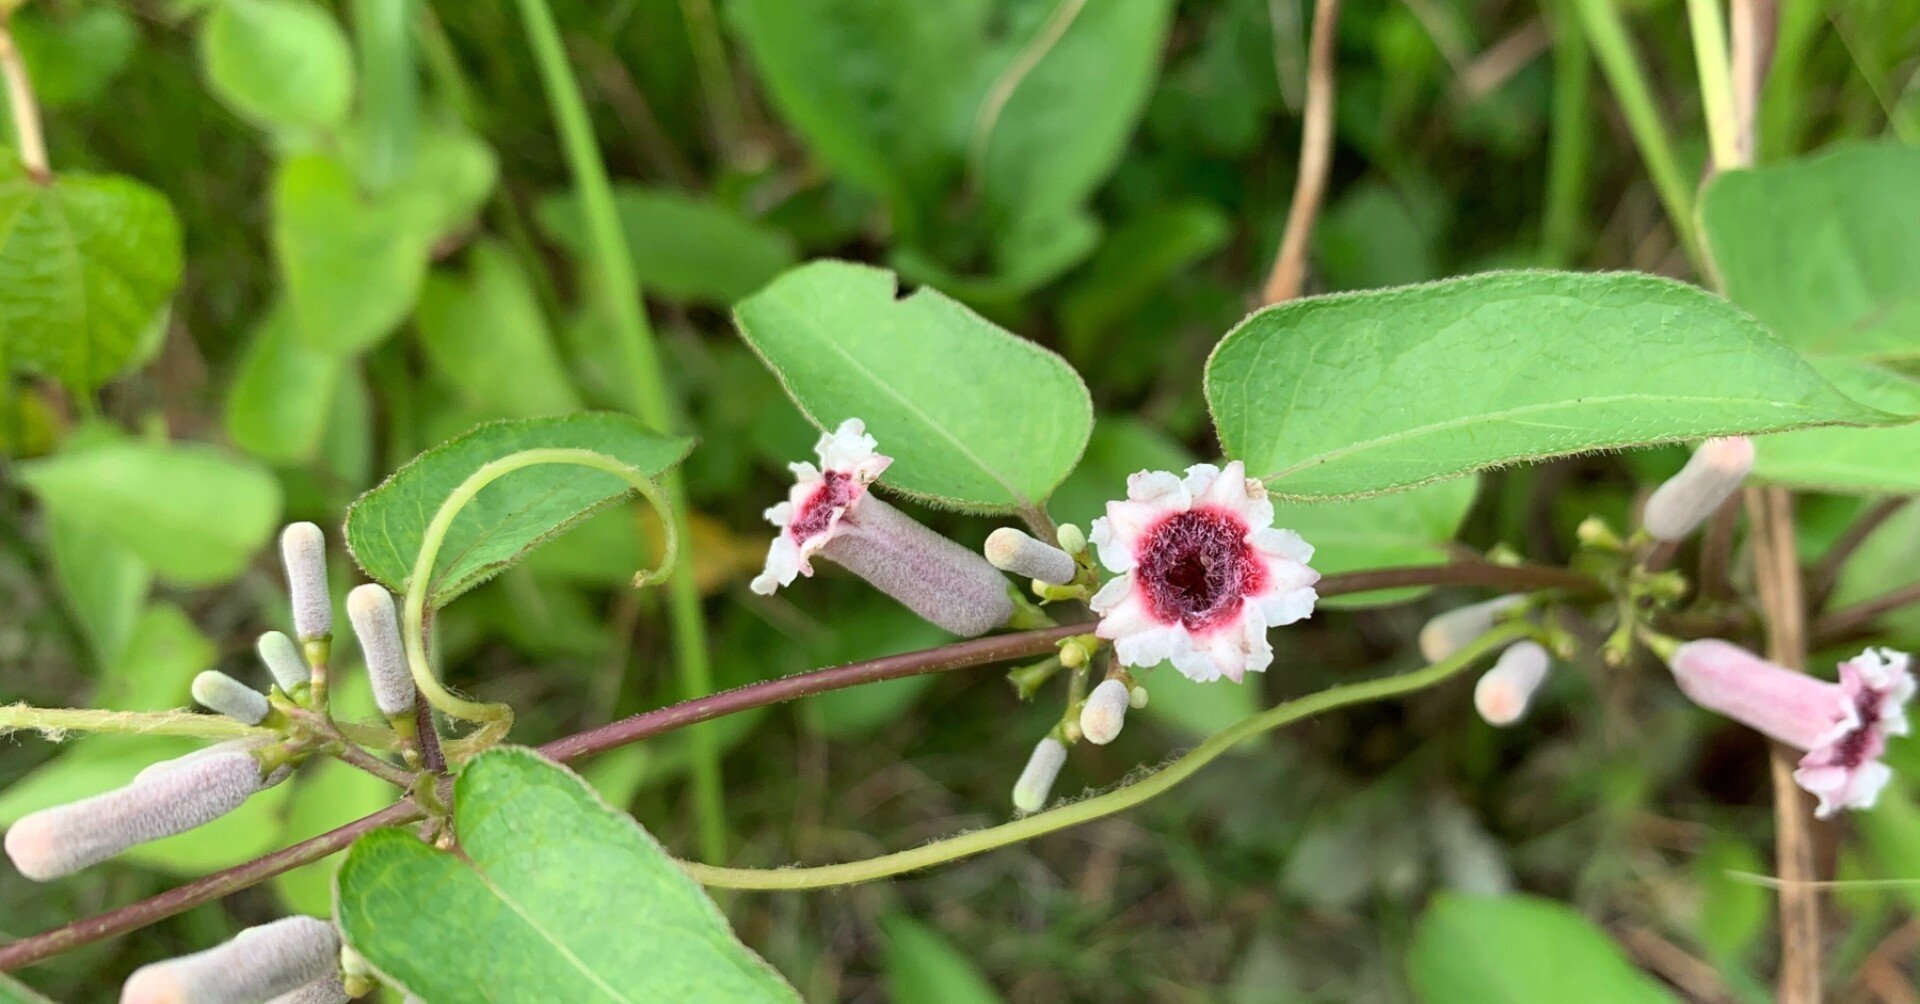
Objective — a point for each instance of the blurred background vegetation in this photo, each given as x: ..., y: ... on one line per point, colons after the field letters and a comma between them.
x: 381, y: 249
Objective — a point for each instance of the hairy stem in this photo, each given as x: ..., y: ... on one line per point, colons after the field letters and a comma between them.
x: 1120, y: 799
x: 25, y: 110
x: 190, y: 724
x: 1316, y: 158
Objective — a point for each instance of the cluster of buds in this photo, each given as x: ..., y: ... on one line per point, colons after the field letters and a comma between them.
x: 295, y: 960
x: 1504, y: 692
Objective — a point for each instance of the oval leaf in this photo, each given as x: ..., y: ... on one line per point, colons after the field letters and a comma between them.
x: 975, y: 417
x: 278, y: 62
x: 684, y: 247
x: 508, y: 517
x: 1520, y: 950
x: 1363, y: 393
x: 568, y: 900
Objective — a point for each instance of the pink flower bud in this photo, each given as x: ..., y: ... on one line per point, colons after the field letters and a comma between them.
x: 228, y: 696
x: 1450, y: 632
x: 303, y: 548
x: 1012, y: 551
x: 377, y: 624
x: 1842, y: 727
x: 1504, y: 691
x: 929, y: 574
x: 1687, y: 498
x: 162, y: 801
x: 1105, y: 712
x: 1036, y: 781
x: 260, y: 963
x: 282, y: 658
x: 326, y: 990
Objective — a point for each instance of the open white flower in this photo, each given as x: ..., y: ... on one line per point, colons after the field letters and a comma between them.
x: 820, y: 497
x: 1202, y: 573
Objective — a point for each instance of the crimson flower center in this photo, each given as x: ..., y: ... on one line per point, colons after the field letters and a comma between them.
x: 1852, y: 748
x: 837, y: 489
x: 1196, y: 567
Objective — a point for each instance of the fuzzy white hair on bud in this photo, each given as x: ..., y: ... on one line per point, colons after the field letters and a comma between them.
x: 329, y: 989
x: 377, y: 624
x: 1013, y: 551
x: 1685, y: 500
x: 1105, y: 711
x: 1504, y: 692
x: 929, y: 574
x: 282, y: 658
x: 261, y: 963
x: 303, y: 549
x: 1036, y: 781
x: 222, y: 693
x: 163, y: 800
x: 1450, y: 632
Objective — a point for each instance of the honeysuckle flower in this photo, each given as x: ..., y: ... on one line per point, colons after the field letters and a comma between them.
x: 820, y: 498
x: 1502, y: 693
x: 261, y: 963
x: 1683, y: 501
x: 377, y: 625
x: 1013, y: 551
x: 1030, y: 792
x: 1105, y: 712
x: 1842, y: 727
x: 1202, y: 573
x: 830, y: 514
x: 1450, y: 632
x: 220, y: 692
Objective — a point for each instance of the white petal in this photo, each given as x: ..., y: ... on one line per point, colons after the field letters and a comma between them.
x: 1110, y: 595
x: 1282, y: 544
x: 1152, y: 647
x: 780, y: 515
x: 1278, y: 609
x: 1200, y: 483
x: 784, y: 562
x: 1158, y: 488
x: 1129, y: 615
x: 805, y: 472
x: 1115, y: 547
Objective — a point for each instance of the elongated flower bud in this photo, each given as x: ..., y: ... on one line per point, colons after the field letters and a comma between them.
x: 1105, y: 712
x: 219, y: 692
x: 1036, y: 781
x: 260, y: 963
x: 303, y: 548
x: 1504, y: 691
x: 282, y: 659
x: 929, y: 574
x: 1451, y: 631
x: 370, y: 608
x: 326, y: 990
x: 162, y: 801
x: 1012, y: 551
x: 1687, y: 498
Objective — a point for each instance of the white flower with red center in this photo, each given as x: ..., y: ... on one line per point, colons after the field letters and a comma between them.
x: 820, y: 498
x: 1202, y: 573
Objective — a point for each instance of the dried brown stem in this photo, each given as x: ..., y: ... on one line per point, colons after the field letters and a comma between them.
x: 1316, y: 157
x: 26, y: 112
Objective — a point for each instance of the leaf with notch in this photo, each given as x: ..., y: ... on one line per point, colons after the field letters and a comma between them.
x: 976, y: 417
x: 1359, y: 394
x: 510, y: 516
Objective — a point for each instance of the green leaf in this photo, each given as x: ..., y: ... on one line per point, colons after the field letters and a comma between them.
x: 684, y: 247
x: 1522, y: 950
x: 1824, y: 250
x: 1406, y: 528
x: 13, y: 991
x: 1849, y: 460
x: 86, y: 263
x: 923, y: 967
x: 194, y: 514
x: 103, y: 583
x: 1733, y: 910
x: 568, y: 899
x: 1134, y: 265
x: 282, y: 393
x: 975, y: 417
x: 1892, y: 832
x: 486, y: 334
x: 1363, y: 393
x: 508, y: 517
x: 352, y: 267
x: 72, y: 58
x: 868, y: 628
x: 278, y: 62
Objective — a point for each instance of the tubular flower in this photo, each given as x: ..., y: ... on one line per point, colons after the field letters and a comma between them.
x: 1842, y: 727
x: 1202, y: 573
x: 265, y: 963
x: 820, y: 498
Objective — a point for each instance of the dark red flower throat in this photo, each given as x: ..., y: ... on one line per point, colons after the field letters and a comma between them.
x: 816, y: 513
x: 1197, y: 566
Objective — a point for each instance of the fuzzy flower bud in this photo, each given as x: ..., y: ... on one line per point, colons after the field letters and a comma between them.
x: 282, y: 658
x: 328, y: 989
x: 163, y: 800
x: 1687, y: 498
x: 1105, y: 712
x: 260, y: 963
x: 1071, y: 538
x: 1036, y: 781
x: 929, y: 574
x: 377, y: 624
x: 1451, y: 631
x: 1504, y: 691
x: 230, y: 697
x: 1012, y: 551
x: 303, y: 549
x: 1843, y: 726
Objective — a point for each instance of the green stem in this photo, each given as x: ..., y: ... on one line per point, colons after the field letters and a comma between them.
x: 617, y: 285
x: 1614, y: 51
x: 53, y: 721
x: 420, y: 581
x: 1571, y: 142
x: 1118, y: 800
x: 1709, y: 28
x: 389, y: 92
x: 716, y: 75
